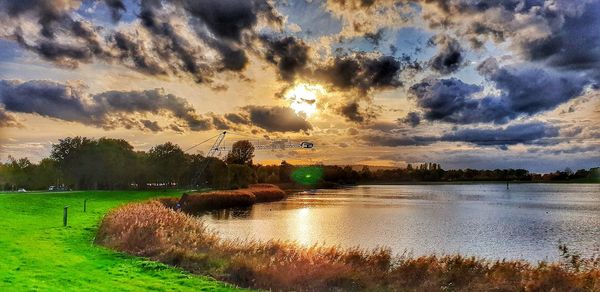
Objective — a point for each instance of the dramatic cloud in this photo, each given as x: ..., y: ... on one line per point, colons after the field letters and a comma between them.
x: 450, y: 56
x: 350, y: 111
x: 174, y: 37
x: 362, y: 72
x: 526, y: 133
x: 396, y: 141
x: 107, y: 110
x: 523, y: 91
x: 7, y: 120
x: 117, y: 7
x: 277, y: 119
x: 412, y: 118
x: 574, y: 45
x: 289, y: 54
x: 240, y: 119
x: 563, y: 34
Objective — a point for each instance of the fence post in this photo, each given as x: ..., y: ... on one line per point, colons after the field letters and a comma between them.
x: 65, y: 216
x: 84, y: 205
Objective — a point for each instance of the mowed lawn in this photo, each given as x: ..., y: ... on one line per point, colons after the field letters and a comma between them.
x: 38, y: 253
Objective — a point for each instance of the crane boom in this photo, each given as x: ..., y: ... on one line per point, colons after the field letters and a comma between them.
x: 275, y: 145
x: 211, y: 153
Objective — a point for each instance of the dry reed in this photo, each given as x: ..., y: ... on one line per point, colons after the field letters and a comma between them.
x: 154, y: 231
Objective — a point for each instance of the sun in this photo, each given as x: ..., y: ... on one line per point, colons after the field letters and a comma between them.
x: 303, y: 98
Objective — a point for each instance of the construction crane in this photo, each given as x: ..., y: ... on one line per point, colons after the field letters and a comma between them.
x: 218, y: 148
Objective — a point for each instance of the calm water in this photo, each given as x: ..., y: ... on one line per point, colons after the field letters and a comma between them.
x: 528, y: 221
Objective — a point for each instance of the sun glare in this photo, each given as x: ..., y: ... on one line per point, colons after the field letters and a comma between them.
x: 303, y: 98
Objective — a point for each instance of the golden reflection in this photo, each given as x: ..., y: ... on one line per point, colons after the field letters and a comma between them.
x: 303, y: 226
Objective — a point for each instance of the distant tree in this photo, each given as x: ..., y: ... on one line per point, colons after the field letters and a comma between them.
x: 285, y: 171
x: 365, y: 173
x: 240, y: 176
x: 241, y: 152
x: 215, y: 174
x: 168, y: 162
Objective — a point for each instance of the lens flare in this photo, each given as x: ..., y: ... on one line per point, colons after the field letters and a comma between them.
x: 303, y: 98
x: 309, y: 175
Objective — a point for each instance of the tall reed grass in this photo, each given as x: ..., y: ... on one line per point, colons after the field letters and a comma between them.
x: 199, y: 202
x: 152, y: 230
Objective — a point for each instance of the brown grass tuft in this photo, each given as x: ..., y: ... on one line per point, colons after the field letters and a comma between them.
x: 196, y: 203
x: 266, y: 192
x: 152, y: 230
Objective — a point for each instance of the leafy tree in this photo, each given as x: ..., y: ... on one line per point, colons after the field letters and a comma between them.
x: 215, y: 174
x: 168, y: 162
x: 240, y: 176
x: 241, y: 152
x: 285, y: 171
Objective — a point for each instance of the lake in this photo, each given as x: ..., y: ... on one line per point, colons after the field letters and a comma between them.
x: 528, y: 221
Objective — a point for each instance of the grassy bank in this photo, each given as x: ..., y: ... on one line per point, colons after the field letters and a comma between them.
x: 178, y: 239
x: 38, y: 253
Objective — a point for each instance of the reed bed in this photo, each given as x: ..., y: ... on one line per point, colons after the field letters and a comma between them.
x: 150, y: 229
x: 199, y: 202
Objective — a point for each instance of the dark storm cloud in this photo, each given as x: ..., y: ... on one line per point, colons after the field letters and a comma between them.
x: 48, y: 13
x: 289, y: 54
x: 412, y: 118
x: 237, y: 118
x: 562, y: 34
x: 219, y: 122
x: 522, y: 92
x: 153, y: 101
x: 229, y: 18
x: 107, y: 109
x: 447, y: 100
x: 574, y: 46
x: 277, y: 119
x: 157, y: 45
x: 395, y: 141
x: 362, y: 72
x: 151, y: 125
x: 64, y: 55
x: 526, y: 133
x: 130, y: 49
x: 354, y: 3
x: 117, y: 7
x: 45, y: 98
x: 450, y: 56
x: 352, y: 112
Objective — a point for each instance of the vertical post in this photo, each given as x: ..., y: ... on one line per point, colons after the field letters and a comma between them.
x: 507, y: 185
x: 84, y: 205
x: 65, y: 216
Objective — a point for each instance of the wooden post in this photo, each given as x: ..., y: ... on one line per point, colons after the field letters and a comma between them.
x: 84, y: 205
x: 65, y: 216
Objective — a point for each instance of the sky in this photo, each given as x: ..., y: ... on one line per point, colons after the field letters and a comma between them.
x: 464, y: 83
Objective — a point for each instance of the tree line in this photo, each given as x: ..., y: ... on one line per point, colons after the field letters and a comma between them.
x: 107, y: 164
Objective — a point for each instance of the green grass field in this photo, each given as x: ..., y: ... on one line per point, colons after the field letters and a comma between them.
x: 38, y: 253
